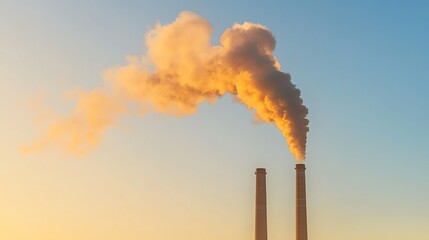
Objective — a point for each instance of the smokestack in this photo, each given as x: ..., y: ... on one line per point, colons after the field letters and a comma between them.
x: 301, y: 203
x: 261, y: 205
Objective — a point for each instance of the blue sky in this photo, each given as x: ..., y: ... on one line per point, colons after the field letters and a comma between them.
x: 362, y: 67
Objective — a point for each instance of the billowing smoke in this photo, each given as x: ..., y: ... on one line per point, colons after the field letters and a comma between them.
x: 181, y: 70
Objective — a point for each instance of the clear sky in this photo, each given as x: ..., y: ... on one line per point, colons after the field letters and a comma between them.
x: 362, y: 67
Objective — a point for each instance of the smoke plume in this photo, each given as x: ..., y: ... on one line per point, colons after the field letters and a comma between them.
x: 181, y: 70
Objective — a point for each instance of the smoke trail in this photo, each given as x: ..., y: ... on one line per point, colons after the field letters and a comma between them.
x: 182, y: 70
x: 81, y: 130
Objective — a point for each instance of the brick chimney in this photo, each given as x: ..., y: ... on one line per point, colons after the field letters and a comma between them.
x: 261, y: 205
x: 301, y: 203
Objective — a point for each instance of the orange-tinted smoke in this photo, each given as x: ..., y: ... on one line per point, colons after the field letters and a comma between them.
x: 182, y: 69
x: 79, y: 132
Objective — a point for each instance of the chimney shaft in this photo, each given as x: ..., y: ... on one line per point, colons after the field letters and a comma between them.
x: 261, y: 205
x: 301, y: 203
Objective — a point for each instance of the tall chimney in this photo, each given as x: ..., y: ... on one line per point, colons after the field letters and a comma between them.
x: 261, y: 205
x: 301, y: 203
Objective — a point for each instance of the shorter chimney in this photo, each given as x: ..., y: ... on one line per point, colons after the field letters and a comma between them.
x: 261, y: 205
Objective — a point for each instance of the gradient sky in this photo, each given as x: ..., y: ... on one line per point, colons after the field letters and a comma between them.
x: 362, y: 67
